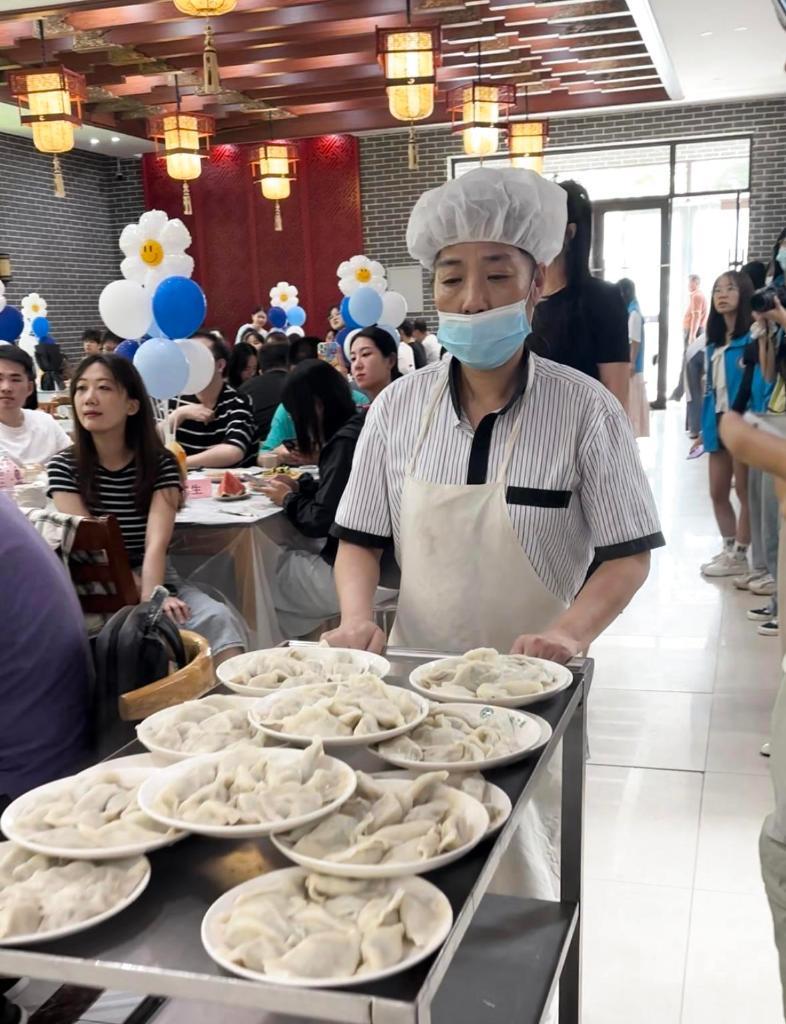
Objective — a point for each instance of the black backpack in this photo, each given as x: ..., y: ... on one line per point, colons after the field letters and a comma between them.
x: 137, y: 646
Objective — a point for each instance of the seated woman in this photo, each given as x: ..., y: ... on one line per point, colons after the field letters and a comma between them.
x: 326, y: 422
x: 118, y: 466
x: 280, y: 439
x: 243, y: 364
x: 373, y: 361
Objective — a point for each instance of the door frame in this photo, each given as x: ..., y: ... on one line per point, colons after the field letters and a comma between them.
x: 663, y: 205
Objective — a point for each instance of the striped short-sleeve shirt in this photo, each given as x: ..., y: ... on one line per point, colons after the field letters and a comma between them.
x: 115, y: 494
x: 233, y: 423
x: 576, y: 488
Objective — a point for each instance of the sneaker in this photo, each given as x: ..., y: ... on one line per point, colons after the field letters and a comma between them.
x: 764, y: 587
x: 729, y: 564
x: 715, y: 558
x: 697, y: 452
x: 744, y: 582
x: 769, y: 629
x: 765, y: 749
x: 759, y: 614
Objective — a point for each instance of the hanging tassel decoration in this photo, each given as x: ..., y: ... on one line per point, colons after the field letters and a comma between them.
x: 187, y: 209
x: 57, y: 172
x: 278, y: 224
x: 412, y: 148
x: 211, y: 84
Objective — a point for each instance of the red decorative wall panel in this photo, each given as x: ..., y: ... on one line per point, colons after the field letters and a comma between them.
x: 239, y: 256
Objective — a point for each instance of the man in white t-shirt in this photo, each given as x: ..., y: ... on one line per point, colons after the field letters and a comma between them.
x: 429, y: 341
x: 27, y: 435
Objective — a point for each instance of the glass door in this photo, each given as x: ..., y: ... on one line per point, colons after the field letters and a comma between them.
x: 630, y: 239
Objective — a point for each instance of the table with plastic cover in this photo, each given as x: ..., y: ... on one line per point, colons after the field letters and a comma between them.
x: 502, y: 962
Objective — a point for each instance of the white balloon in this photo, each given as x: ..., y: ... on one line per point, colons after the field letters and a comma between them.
x: 296, y: 330
x: 348, y: 341
x: 201, y: 365
x: 394, y: 309
x: 126, y: 308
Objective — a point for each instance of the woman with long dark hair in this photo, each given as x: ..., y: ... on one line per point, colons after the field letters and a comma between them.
x: 373, y: 360
x: 118, y: 466
x: 776, y: 271
x: 327, y: 423
x: 243, y: 364
x: 581, y: 321
x: 728, y: 332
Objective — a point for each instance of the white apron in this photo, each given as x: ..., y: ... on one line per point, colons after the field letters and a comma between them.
x: 466, y: 582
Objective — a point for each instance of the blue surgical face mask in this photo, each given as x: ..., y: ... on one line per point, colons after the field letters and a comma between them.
x: 781, y: 258
x: 484, y: 341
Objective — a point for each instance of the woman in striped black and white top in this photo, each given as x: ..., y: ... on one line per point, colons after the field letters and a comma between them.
x: 118, y: 466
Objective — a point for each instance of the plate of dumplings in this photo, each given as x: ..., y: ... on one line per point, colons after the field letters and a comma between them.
x: 218, y: 722
x: 259, y: 673
x: 91, y: 816
x: 467, y: 737
x: 354, y: 713
x: 484, y: 676
x: 390, y: 828
x: 45, y: 898
x: 494, y: 799
x: 290, y: 927
x: 248, y: 792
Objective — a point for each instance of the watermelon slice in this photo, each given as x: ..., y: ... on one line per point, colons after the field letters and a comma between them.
x: 230, y: 485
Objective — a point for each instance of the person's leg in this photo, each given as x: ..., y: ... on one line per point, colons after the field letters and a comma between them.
x: 694, y: 371
x: 743, y: 534
x: 720, y: 475
x: 304, y: 593
x: 770, y: 524
x: 214, y: 621
x: 755, y: 504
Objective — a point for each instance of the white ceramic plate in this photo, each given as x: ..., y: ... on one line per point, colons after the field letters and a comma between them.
x: 366, y: 664
x: 164, y: 755
x: 80, y: 926
x: 529, y: 728
x: 212, y: 926
x: 332, y: 742
x: 148, y: 794
x: 497, y: 802
x: 564, y: 677
x: 15, y: 812
x: 473, y: 812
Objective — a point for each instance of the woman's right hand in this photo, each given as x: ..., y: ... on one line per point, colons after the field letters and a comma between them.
x: 177, y: 610
x: 359, y: 636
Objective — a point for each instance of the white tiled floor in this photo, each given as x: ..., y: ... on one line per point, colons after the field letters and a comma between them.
x: 677, y: 929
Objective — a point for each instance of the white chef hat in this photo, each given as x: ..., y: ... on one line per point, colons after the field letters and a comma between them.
x: 509, y: 205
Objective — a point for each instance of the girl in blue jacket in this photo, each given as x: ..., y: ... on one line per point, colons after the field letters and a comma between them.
x: 728, y: 327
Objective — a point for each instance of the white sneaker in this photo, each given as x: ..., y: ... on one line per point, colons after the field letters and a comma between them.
x: 764, y: 614
x: 764, y: 587
x: 769, y: 628
x: 744, y: 582
x: 716, y: 558
x: 729, y: 564
x: 765, y: 749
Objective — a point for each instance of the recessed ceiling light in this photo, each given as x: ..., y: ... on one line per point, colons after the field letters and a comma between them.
x: 741, y: 28
x: 94, y: 142
x: 115, y: 138
x: 705, y: 33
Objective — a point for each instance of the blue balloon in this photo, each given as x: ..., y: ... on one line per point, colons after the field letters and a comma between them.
x: 345, y: 315
x: 179, y: 307
x: 127, y: 349
x: 391, y: 331
x: 162, y: 366
x: 40, y: 327
x: 277, y: 317
x: 296, y: 316
x: 365, y: 306
x: 11, y: 324
x: 48, y: 340
x: 154, y: 331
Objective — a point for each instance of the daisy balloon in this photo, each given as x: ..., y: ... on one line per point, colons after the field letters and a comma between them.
x: 284, y: 295
x: 361, y: 272
x: 154, y: 249
x: 33, y: 305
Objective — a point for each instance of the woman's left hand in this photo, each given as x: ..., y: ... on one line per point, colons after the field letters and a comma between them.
x: 553, y: 646
x: 278, y: 487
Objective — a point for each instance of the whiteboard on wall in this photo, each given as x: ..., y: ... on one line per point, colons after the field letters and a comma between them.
x: 408, y: 281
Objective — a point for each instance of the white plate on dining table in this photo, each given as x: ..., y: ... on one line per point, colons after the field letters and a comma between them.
x: 472, y: 811
x: 562, y: 672
x: 13, y: 817
x: 162, y: 756
x: 532, y: 732
x: 151, y: 789
x: 33, y: 938
x: 265, y: 704
x: 360, y: 663
x: 424, y: 892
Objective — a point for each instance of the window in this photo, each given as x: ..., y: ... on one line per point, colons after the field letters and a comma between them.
x: 718, y: 166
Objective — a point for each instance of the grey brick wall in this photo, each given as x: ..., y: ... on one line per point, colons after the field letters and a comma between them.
x: 389, y: 190
x: 66, y: 249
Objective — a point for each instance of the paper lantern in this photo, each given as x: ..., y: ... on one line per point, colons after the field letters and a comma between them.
x: 526, y: 142
x: 205, y: 8
x: 53, y: 96
x: 274, y: 171
x: 478, y: 111
x: 409, y: 58
x: 182, y: 141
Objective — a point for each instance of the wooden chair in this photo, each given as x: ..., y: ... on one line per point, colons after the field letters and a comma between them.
x: 196, y: 678
x: 113, y: 573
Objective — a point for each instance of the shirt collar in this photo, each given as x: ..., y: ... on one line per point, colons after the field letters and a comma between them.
x: 521, y: 384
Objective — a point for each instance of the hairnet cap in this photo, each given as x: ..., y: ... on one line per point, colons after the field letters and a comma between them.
x: 508, y: 205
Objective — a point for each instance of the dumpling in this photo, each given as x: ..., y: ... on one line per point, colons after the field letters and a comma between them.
x: 382, y: 947
x: 322, y: 955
